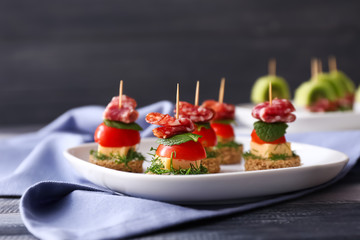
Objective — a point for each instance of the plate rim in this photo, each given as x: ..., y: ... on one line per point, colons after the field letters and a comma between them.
x: 217, y: 175
x: 107, y: 178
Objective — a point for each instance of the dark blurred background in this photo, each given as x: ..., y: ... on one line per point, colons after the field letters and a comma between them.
x: 60, y: 54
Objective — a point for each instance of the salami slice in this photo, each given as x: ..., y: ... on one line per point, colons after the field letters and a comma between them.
x: 280, y: 111
x: 170, y: 126
x: 126, y: 113
x: 197, y: 114
x: 223, y: 111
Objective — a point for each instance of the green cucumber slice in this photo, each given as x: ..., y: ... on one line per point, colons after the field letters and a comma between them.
x: 260, y: 90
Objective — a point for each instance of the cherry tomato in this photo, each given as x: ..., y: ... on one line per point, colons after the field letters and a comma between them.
x: 190, y: 150
x: 115, y: 137
x: 223, y: 130
x: 255, y: 138
x: 208, y: 138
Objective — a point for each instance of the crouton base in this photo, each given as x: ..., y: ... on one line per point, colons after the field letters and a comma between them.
x: 132, y: 166
x: 230, y: 155
x: 252, y: 164
x: 212, y: 164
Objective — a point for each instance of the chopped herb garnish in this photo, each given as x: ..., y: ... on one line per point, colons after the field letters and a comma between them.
x: 232, y: 144
x: 157, y: 167
x: 269, y: 132
x: 211, y: 154
x: 273, y: 157
x: 179, y: 139
x: 98, y: 155
x: 121, y: 125
x: 131, y: 155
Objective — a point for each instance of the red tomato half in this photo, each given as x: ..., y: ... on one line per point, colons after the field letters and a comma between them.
x: 115, y: 137
x: 208, y: 138
x: 255, y: 138
x: 190, y: 150
x: 223, y: 130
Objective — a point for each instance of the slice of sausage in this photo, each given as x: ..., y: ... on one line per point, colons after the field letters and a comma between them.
x: 280, y: 111
x: 170, y: 126
x: 126, y: 113
x: 223, y: 111
x: 197, y: 114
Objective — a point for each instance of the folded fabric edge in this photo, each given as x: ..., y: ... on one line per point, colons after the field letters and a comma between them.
x: 215, y: 213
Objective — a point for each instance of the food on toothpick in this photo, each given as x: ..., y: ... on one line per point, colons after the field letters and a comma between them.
x: 316, y: 95
x: 268, y: 146
x: 346, y: 102
x: 260, y: 89
x: 201, y: 117
x: 118, y: 136
x: 179, y: 151
x: 229, y: 151
x: 324, y: 92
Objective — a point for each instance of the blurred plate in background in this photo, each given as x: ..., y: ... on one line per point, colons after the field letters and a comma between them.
x: 308, y: 121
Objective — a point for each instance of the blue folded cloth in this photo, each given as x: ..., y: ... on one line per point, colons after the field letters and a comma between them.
x: 62, y: 205
x: 35, y: 157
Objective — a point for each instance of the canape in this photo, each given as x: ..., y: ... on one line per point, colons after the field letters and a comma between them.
x: 118, y: 137
x: 260, y: 89
x: 179, y: 151
x: 268, y: 147
x: 201, y: 117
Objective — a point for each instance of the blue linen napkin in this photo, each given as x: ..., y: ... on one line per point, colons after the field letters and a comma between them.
x: 31, y: 158
x: 68, y: 207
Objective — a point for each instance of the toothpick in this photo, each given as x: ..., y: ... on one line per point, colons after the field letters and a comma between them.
x: 177, y: 101
x: 120, y: 93
x: 332, y: 63
x: 272, y: 67
x: 320, y: 66
x: 270, y: 92
x: 197, y: 93
x: 314, y: 68
x: 222, y: 90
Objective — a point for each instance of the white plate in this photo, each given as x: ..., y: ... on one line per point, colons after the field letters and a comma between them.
x: 308, y: 121
x: 233, y: 184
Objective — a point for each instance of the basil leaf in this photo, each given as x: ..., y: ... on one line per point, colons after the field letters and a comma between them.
x: 179, y: 139
x: 121, y: 125
x: 224, y: 121
x: 199, y: 126
x: 269, y: 132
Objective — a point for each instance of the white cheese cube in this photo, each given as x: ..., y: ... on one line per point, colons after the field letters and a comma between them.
x: 178, y: 163
x: 266, y: 150
x: 122, y: 151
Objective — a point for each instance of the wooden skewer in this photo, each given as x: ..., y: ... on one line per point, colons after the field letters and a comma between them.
x: 222, y: 90
x: 197, y: 93
x: 320, y: 66
x: 120, y: 93
x: 270, y: 92
x: 272, y: 67
x: 177, y: 101
x: 314, y: 68
x: 332, y: 63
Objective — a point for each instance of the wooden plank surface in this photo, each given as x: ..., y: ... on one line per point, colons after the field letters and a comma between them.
x: 56, y: 55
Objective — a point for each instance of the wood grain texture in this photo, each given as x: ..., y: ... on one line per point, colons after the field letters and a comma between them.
x: 57, y: 55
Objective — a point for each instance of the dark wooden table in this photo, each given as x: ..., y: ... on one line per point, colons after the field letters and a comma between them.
x: 332, y: 213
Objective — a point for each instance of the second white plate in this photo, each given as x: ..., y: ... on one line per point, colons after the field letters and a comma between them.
x: 308, y: 121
